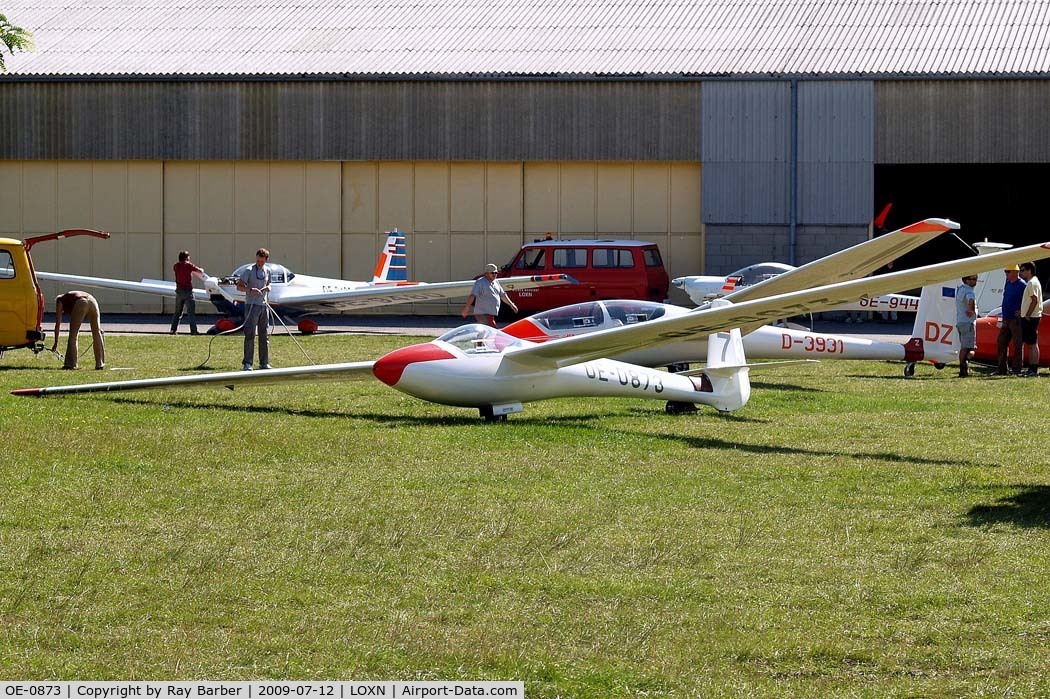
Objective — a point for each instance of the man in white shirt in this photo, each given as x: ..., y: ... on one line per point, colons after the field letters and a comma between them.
x: 485, y: 297
x: 1031, y: 313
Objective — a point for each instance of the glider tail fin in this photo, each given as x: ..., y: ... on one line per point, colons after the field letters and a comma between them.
x: 933, y: 337
x: 727, y: 370
x: 392, y: 265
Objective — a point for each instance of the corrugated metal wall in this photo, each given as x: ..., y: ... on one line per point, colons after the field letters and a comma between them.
x: 374, y: 120
x: 962, y: 121
x: 746, y: 152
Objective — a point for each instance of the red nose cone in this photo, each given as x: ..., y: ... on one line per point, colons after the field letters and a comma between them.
x: 389, y: 368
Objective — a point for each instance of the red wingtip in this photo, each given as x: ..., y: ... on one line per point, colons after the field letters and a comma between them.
x: 924, y: 227
x: 27, y: 392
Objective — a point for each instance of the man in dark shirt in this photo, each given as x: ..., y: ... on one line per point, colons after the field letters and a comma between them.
x: 184, y: 271
x: 1010, y: 332
x: 78, y: 305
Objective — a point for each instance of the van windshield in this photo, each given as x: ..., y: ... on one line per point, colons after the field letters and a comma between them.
x: 532, y: 259
x: 7, y: 265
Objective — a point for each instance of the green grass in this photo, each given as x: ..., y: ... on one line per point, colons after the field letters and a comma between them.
x: 848, y: 533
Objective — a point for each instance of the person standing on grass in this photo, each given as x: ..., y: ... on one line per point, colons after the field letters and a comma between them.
x: 184, y: 271
x: 1010, y: 332
x: 79, y: 305
x: 485, y: 297
x: 254, y: 282
x: 966, y: 322
x: 1031, y: 313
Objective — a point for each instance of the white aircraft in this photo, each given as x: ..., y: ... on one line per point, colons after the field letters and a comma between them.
x: 778, y: 276
x: 481, y: 367
x: 298, y: 294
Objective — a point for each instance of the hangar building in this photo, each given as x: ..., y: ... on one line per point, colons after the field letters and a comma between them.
x: 728, y: 132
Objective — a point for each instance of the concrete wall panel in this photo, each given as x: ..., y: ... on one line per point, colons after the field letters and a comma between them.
x: 287, y: 197
x: 651, y: 197
x: 181, y: 198
x: 360, y: 184
x: 542, y: 204
x: 614, y: 198
x: 431, y: 204
x: 396, y: 196
x: 216, y: 197
x: 323, y: 198
x: 73, y: 195
x: 10, y: 199
x: 145, y: 197
x: 577, y: 200
x: 323, y: 255
x: 503, y: 196
x: 467, y: 196
x: 109, y: 190
x: 251, y: 200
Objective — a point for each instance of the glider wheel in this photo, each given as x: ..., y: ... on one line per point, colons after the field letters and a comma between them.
x: 675, y: 407
x: 909, y: 369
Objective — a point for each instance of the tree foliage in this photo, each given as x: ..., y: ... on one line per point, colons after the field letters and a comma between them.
x: 14, y: 39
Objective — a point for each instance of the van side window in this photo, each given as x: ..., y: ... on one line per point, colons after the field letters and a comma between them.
x: 652, y: 257
x: 532, y: 259
x: 570, y: 257
x: 7, y: 265
x: 612, y: 257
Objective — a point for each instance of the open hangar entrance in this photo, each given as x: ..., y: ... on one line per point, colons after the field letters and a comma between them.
x: 1003, y: 203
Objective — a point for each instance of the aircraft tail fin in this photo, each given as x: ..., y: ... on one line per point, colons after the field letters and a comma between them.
x: 727, y: 370
x: 933, y: 336
x: 392, y: 265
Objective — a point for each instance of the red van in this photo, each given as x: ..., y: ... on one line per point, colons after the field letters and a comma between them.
x: 606, y: 269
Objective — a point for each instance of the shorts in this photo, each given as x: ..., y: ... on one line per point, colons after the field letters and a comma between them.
x: 967, y: 335
x: 1030, y: 330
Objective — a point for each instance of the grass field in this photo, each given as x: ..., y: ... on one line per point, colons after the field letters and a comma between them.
x: 848, y: 533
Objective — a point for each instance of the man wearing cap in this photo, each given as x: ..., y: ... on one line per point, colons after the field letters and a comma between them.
x: 966, y: 322
x: 1031, y: 313
x: 1010, y: 332
x: 485, y: 297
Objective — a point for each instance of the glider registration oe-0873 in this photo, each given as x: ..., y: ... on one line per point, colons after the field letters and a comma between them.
x: 299, y: 294
x: 481, y: 367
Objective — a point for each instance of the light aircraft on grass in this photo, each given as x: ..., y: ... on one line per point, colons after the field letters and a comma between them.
x: 765, y: 342
x: 480, y: 367
x: 298, y: 294
x: 773, y: 277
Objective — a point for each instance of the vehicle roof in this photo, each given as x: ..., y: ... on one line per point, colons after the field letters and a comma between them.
x: 590, y: 241
x: 10, y: 241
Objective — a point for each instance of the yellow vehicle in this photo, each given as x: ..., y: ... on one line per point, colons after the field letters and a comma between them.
x: 21, y: 301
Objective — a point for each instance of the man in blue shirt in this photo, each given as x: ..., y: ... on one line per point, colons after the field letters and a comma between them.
x: 1010, y: 332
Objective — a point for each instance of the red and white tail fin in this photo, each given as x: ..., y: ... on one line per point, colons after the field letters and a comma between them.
x: 392, y: 265
x: 933, y: 337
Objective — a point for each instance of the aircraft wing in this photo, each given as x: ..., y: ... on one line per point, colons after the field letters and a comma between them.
x: 158, y: 287
x: 388, y: 294
x: 852, y: 263
x: 723, y: 315
x: 225, y: 379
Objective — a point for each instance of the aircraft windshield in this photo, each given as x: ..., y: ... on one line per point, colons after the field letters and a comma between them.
x: 279, y: 274
x: 760, y: 272
x: 580, y: 315
x: 628, y: 312
x: 479, y: 339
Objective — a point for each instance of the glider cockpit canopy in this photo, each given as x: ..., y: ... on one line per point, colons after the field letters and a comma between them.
x: 479, y: 339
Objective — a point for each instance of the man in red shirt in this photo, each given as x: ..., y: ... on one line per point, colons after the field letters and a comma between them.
x: 184, y: 271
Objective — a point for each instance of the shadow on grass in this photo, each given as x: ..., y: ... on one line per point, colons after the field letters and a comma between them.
x: 392, y: 420
x: 763, y: 385
x: 714, y: 443
x: 1030, y: 507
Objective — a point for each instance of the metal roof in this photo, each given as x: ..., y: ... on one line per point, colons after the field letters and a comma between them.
x: 564, y: 38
